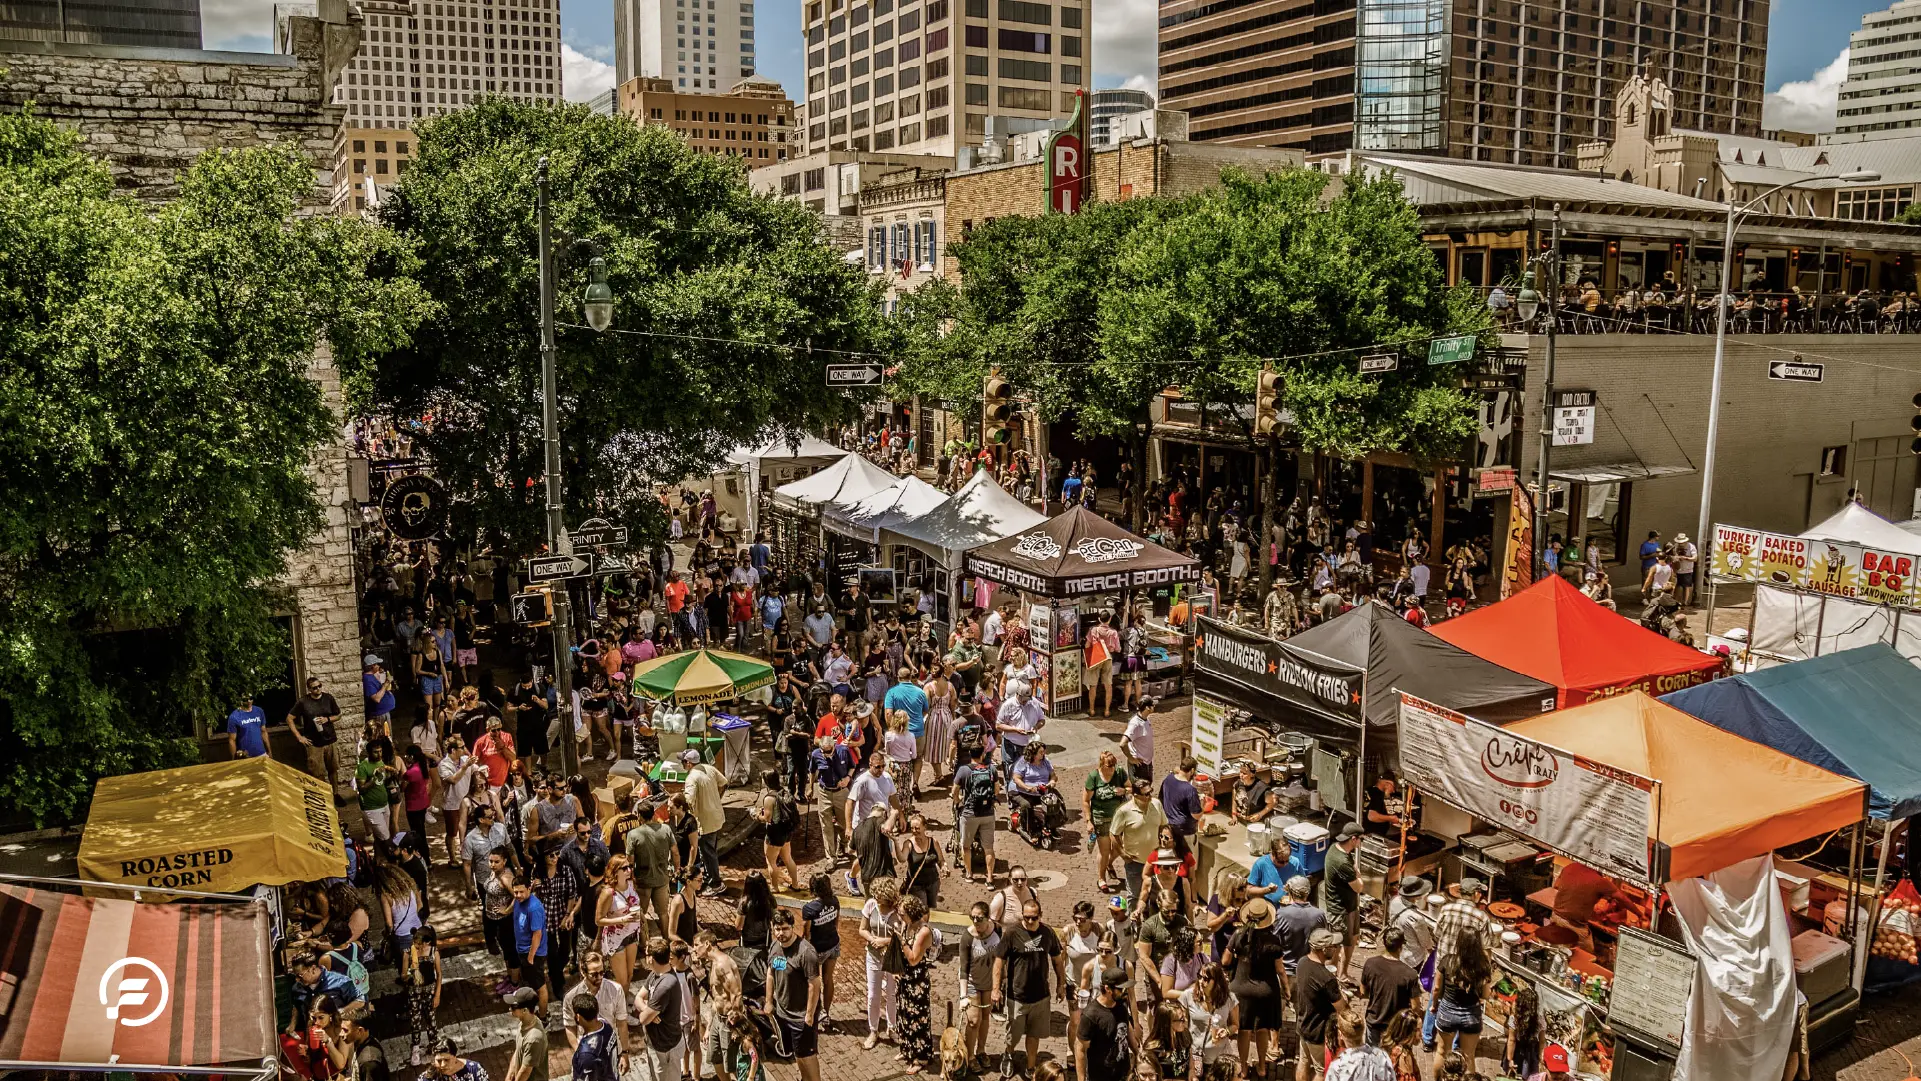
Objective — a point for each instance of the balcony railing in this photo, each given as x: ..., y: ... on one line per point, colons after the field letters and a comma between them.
x: 1749, y: 313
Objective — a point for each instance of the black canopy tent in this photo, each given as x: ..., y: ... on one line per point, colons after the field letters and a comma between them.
x: 1341, y: 681
x: 1078, y: 553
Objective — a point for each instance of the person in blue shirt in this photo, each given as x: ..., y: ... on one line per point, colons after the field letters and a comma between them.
x: 1071, y: 489
x: 907, y: 697
x: 311, y: 979
x: 248, y: 727
x: 759, y: 553
x: 1270, y: 873
x: 528, y: 966
x: 1649, y: 549
x: 378, y: 687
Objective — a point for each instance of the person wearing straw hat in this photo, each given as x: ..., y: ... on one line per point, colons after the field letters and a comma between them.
x: 1256, y: 975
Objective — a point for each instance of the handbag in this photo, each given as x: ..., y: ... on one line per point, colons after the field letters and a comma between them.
x: 893, y: 959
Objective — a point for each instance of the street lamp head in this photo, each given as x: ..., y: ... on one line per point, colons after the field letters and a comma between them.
x: 1861, y: 176
x: 1528, y: 303
x: 599, y: 301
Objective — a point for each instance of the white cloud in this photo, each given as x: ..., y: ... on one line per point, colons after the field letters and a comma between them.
x: 581, y: 76
x: 1126, y: 43
x: 1807, y: 105
x: 239, y: 25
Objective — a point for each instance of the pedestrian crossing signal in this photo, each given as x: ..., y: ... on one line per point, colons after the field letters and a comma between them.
x: 534, y: 608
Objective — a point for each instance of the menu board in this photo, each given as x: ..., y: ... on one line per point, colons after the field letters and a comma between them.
x: 1865, y: 574
x: 1653, y: 978
x: 1210, y: 736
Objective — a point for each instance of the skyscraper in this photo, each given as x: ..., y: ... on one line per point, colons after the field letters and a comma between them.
x: 1104, y: 105
x: 923, y: 76
x: 163, y: 24
x: 427, y: 57
x: 704, y: 46
x: 1882, y: 96
x: 1489, y: 80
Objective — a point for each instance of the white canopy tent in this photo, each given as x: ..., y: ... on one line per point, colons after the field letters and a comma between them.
x: 980, y: 513
x: 1792, y: 625
x: 904, y: 500
x: 776, y: 462
x: 842, y: 484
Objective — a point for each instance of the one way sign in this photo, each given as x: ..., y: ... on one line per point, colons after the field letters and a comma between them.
x: 854, y: 375
x: 1796, y: 370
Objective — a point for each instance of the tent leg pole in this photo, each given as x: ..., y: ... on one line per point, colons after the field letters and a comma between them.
x: 1874, y: 907
x: 1360, y: 759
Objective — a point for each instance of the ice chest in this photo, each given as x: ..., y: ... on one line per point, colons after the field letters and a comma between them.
x: 1820, y: 965
x: 1309, y: 843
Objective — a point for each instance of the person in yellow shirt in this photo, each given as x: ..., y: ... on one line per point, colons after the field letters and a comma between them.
x: 1136, y: 825
x: 704, y: 783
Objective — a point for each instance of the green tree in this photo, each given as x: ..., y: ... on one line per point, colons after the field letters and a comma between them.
x: 157, y: 420
x: 697, y: 262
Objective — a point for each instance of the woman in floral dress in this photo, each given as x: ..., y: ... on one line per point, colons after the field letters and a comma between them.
x: 913, y: 1011
x: 941, y: 708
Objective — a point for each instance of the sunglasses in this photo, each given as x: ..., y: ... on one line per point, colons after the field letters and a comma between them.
x: 1030, y: 919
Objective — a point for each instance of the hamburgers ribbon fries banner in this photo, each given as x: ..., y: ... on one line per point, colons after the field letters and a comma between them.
x: 1586, y: 810
x: 1818, y: 566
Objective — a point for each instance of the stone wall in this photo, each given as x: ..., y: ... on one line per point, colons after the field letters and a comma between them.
x: 148, y: 113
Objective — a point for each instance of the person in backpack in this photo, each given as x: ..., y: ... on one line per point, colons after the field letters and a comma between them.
x: 597, y: 1055
x: 976, y: 787
x: 776, y: 811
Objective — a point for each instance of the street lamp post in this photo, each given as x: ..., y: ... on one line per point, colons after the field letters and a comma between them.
x: 598, y: 304
x: 1527, y: 305
x: 1702, y: 538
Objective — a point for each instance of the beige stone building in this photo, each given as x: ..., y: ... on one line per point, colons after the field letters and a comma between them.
x: 148, y: 113
x: 753, y: 121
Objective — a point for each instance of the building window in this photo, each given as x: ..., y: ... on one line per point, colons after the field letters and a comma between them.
x: 884, y: 140
x: 936, y: 99
x: 1019, y: 97
x: 909, y: 77
x: 860, y: 120
x: 1071, y: 73
x: 814, y: 179
x: 883, y: 85
x: 837, y: 101
x: 909, y: 133
x: 860, y: 93
x: 1070, y: 45
x: 1033, y: 71
x: 1071, y: 18
x: 1834, y: 461
x: 1020, y: 11
x: 910, y: 105
x: 937, y: 69
x: 977, y: 65
x: 1024, y: 41
x: 936, y: 126
x: 360, y: 146
x: 976, y: 93
x: 883, y: 112
x: 790, y: 184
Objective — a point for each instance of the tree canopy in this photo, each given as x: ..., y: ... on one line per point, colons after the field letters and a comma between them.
x: 1098, y: 312
x: 718, y: 292
x: 157, y: 418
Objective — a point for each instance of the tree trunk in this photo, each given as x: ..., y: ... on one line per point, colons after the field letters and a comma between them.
x: 1137, y: 456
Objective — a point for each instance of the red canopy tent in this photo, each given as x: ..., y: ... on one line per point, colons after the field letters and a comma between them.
x: 1553, y: 632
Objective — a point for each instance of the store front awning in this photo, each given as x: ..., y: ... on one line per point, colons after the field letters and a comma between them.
x: 1617, y: 472
x: 216, y: 828
x: 99, y: 983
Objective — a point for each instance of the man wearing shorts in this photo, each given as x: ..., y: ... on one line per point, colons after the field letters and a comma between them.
x: 1027, y: 952
x: 793, y: 994
x: 976, y: 787
x: 833, y: 767
x: 977, y: 948
x: 1338, y: 896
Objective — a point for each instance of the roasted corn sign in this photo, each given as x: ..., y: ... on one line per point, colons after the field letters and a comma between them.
x: 1870, y: 575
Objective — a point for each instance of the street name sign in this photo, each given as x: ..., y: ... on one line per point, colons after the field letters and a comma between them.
x: 1376, y: 363
x: 854, y: 375
x: 1451, y: 350
x: 599, y: 531
x: 554, y: 568
x: 1796, y: 370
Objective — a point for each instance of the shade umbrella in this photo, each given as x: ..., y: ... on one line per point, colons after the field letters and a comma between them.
x: 701, y: 677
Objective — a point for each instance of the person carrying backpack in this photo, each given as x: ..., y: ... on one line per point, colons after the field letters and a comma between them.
x: 777, y: 812
x: 976, y: 787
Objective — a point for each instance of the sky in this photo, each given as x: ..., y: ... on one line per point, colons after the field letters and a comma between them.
x: 1807, y: 47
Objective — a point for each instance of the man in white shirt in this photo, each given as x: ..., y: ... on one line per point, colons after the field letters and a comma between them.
x: 1685, y: 554
x: 595, y: 985
x: 872, y: 788
x: 1421, y: 574
x: 1020, y: 717
x: 991, y: 626
x: 1138, y: 742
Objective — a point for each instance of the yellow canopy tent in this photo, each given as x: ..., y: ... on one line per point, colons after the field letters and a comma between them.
x: 216, y: 828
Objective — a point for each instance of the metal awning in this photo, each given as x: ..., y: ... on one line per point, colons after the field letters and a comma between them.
x: 1617, y: 472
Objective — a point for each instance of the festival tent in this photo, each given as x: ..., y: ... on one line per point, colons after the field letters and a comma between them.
x: 905, y: 499
x: 1790, y: 625
x: 981, y: 512
x: 775, y: 462
x: 1856, y: 713
x: 214, y: 828
x: 1077, y: 553
x: 844, y: 483
x: 1723, y: 799
x: 1553, y: 632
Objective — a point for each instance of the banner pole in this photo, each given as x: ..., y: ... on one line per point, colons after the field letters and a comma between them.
x: 1360, y: 760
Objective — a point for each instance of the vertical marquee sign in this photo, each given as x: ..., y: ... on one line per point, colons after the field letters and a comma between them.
x: 1068, y: 167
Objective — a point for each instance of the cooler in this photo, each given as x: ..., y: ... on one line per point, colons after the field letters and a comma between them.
x: 1309, y: 842
x: 1820, y: 965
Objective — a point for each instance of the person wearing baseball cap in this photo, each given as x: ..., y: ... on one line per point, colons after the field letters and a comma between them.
x: 1317, y: 999
x: 529, y: 1061
x: 378, y: 686
x: 1556, y: 1064
x: 1339, y: 899
x: 702, y: 790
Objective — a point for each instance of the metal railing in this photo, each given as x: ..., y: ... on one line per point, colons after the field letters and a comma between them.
x: 1632, y: 312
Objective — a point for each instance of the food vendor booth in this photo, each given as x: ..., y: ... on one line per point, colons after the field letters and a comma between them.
x: 1553, y: 632
x: 793, y: 516
x: 1067, y: 571
x: 931, y: 547
x: 1325, y: 706
x: 1856, y: 713
x: 1672, y: 934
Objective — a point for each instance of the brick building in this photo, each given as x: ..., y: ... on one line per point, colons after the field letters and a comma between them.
x: 753, y: 121
x: 148, y: 113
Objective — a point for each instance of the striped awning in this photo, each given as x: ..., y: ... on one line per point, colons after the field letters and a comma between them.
x: 701, y: 677
x: 91, y: 982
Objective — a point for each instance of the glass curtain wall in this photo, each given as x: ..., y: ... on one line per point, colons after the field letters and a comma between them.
x: 1400, y: 75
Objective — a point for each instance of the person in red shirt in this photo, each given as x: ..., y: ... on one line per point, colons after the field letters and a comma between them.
x: 740, y: 614
x: 830, y: 721
x: 495, y: 750
x: 676, y: 592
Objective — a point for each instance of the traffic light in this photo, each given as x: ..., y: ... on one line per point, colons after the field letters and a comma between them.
x: 996, y: 411
x: 1267, y: 402
x: 1915, y: 447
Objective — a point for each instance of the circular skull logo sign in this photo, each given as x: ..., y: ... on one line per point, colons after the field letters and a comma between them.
x: 414, y: 507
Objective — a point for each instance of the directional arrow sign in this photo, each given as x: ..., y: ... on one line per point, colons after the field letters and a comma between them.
x: 590, y: 536
x: 554, y: 568
x: 1380, y: 362
x: 854, y: 375
x: 1796, y: 370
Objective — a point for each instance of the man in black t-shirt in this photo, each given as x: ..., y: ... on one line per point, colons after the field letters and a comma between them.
x: 1103, y: 1052
x: 1388, y: 984
x: 1021, y: 963
x: 312, y: 721
x: 527, y: 709
x: 657, y: 1007
x: 793, y: 993
x: 1317, y: 998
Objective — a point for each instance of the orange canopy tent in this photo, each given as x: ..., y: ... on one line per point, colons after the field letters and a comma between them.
x: 1553, y: 632
x: 1723, y: 798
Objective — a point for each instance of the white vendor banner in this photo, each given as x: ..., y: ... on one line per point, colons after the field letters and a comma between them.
x: 1586, y: 810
